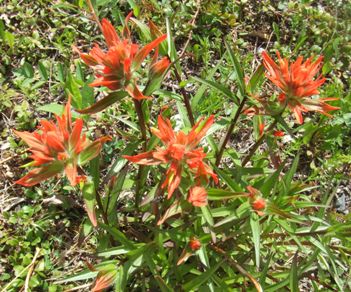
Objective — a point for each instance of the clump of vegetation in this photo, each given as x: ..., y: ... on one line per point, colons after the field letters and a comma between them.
x: 175, y: 145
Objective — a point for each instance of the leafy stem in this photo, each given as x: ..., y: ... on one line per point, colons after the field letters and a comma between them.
x: 230, y: 130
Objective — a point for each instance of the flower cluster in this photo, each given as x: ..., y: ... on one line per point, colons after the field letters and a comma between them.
x: 297, y: 83
x: 180, y: 151
x: 58, y: 147
x: 116, y: 69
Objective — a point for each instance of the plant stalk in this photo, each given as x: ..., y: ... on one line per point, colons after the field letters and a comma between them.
x: 230, y: 130
x: 186, y: 98
x: 257, y: 144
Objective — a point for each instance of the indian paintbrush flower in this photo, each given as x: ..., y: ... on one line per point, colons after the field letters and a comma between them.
x: 180, y: 151
x: 258, y: 203
x: 116, y: 69
x: 298, y: 83
x: 197, y: 196
x: 194, y: 244
x: 58, y: 147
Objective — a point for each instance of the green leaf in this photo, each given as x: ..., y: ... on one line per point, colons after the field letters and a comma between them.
x: 216, y: 86
x: 256, y: 79
x: 228, y: 180
x: 72, y: 89
x: 121, y: 162
x: 116, y: 190
x: 89, y: 200
x: 119, y: 236
x: 162, y: 284
x: 28, y: 70
x: 103, y: 103
x: 294, y: 281
x: 54, y: 108
x: 143, y: 28
x: 202, y: 278
x: 42, y: 70
x: 135, y: 7
x: 256, y: 230
x: 200, y: 92
x: 219, y: 194
x: 238, y: 70
x: 290, y: 174
x: 183, y: 115
x: 206, y: 212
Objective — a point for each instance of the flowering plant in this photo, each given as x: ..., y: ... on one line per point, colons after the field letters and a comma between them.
x: 225, y: 209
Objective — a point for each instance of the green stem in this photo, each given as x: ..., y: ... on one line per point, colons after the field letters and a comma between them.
x: 141, y: 119
x: 186, y: 98
x: 257, y: 144
x: 142, y: 125
x: 230, y: 130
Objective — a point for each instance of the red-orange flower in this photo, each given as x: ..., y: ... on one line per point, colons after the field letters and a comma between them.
x: 180, y: 150
x: 198, y: 196
x: 194, y: 244
x: 58, y: 147
x: 257, y: 202
x: 278, y: 133
x: 116, y: 68
x: 298, y: 83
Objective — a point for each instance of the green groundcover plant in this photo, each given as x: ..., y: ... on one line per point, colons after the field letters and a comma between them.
x: 179, y: 210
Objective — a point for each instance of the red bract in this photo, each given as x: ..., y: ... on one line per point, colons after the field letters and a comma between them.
x: 194, y: 244
x: 58, y: 147
x: 278, y: 133
x: 298, y: 83
x: 198, y: 196
x: 180, y: 150
x: 116, y: 68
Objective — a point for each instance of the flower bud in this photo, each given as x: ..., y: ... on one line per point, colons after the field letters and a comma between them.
x: 194, y: 244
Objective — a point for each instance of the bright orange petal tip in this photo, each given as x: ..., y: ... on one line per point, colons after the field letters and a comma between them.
x: 58, y: 147
x: 298, y: 81
x: 179, y: 149
x: 194, y: 244
x: 116, y: 67
x: 197, y: 196
x: 278, y: 133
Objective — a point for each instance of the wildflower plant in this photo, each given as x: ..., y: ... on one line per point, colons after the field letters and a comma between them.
x: 198, y: 213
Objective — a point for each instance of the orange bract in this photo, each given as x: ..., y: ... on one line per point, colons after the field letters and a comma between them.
x: 58, y: 147
x: 115, y: 68
x: 180, y: 150
x: 194, y: 244
x: 198, y: 196
x: 298, y: 83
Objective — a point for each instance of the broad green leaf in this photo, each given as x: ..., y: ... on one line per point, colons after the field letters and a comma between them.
x: 206, y: 212
x: 116, y: 190
x: 89, y: 194
x: 72, y: 89
x: 256, y: 231
x: 143, y: 28
x: 183, y: 114
x: 42, y: 70
x: 256, y: 79
x: 103, y: 103
x: 54, y: 108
